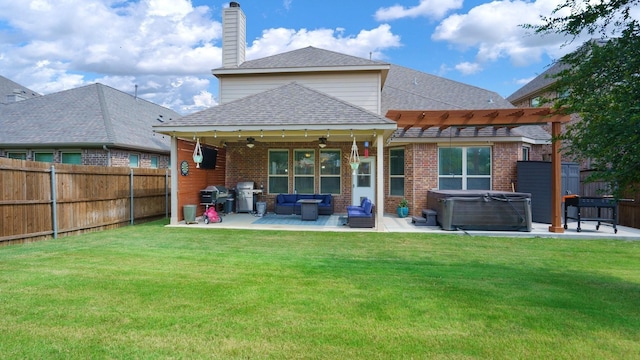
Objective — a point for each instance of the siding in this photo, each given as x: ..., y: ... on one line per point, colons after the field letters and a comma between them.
x: 361, y: 89
x: 234, y: 32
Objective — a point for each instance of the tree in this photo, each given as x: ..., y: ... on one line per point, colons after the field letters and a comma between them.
x: 601, y: 82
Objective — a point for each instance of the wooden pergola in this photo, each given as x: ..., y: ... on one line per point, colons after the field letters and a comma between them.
x: 442, y: 119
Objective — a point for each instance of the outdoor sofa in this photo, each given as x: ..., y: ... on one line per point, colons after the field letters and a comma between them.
x: 287, y: 204
x: 362, y: 216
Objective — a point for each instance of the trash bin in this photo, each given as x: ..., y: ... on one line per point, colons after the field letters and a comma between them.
x: 228, y: 206
x: 189, y: 213
x: 261, y: 208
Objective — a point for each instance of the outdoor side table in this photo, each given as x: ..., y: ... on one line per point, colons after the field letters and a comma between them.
x: 309, y: 209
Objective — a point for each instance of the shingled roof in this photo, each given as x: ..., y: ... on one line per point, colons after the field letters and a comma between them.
x: 289, y: 105
x: 409, y: 89
x: 538, y: 84
x: 308, y: 57
x: 88, y: 116
x: 10, y: 88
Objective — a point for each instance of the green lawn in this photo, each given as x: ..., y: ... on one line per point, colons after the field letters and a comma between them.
x: 147, y: 291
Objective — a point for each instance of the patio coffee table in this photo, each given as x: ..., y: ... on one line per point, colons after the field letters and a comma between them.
x: 309, y: 208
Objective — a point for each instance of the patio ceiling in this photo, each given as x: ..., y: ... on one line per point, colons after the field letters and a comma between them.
x: 311, y: 134
x: 424, y: 119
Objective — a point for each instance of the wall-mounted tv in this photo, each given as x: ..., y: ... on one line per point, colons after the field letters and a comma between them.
x: 209, y: 157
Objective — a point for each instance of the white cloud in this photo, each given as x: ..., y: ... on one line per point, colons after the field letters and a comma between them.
x: 468, y: 68
x: 495, y: 30
x: 165, y: 47
x: 52, y: 46
x: 366, y: 42
x: 433, y: 9
x: 523, y: 81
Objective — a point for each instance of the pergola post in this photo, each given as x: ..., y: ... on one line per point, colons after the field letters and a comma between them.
x: 556, y: 180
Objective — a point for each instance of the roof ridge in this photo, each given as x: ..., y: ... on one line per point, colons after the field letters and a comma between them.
x: 108, y: 125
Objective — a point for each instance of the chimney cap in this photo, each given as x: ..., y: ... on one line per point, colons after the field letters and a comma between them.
x: 234, y: 4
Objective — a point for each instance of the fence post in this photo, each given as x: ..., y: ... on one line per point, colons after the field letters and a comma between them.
x: 131, y: 196
x: 54, y: 203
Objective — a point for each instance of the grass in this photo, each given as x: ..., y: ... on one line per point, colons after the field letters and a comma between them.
x: 148, y: 291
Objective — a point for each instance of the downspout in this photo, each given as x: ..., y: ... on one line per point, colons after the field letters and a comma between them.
x: 105, y: 148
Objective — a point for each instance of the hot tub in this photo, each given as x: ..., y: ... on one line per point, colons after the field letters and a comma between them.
x: 481, y: 209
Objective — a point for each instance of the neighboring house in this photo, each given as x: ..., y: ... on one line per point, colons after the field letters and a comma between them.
x: 89, y: 125
x: 534, y: 93
x: 288, y: 122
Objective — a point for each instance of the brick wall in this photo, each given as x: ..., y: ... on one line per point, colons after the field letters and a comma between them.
x: 504, y: 163
x: 100, y: 157
x: 421, y: 172
x: 244, y: 164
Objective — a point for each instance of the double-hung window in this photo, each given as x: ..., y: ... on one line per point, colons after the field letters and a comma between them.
x: 464, y: 168
x: 278, y: 171
x: 330, y: 175
x: 396, y: 172
x: 304, y: 170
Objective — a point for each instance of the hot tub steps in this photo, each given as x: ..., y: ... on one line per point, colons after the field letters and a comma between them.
x: 428, y: 218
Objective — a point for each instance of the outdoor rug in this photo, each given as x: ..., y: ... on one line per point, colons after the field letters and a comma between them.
x: 273, y: 219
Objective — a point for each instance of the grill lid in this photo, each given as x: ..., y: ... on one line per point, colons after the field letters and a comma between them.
x: 246, y: 185
x: 217, y: 189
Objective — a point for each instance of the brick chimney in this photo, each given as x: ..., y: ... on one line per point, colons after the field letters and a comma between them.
x: 234, y: 35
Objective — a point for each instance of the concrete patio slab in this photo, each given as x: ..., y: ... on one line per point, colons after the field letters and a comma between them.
x: 393, y: 224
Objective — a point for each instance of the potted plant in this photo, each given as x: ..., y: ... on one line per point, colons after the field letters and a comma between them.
x: 403, y: 208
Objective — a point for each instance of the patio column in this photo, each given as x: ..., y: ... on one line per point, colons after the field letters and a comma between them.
x: 380, y: 183
x: 174, y: 181
x: 556, y: 180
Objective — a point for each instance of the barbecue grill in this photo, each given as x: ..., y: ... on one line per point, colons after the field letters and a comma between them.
x: 213, y: 195
x: 246, y: 196
x: 581, y: 202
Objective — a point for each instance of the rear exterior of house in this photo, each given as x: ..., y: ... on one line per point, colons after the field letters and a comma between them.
x: 303, y: 110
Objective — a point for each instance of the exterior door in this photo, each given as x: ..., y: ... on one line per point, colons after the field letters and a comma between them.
x: 364, y: 183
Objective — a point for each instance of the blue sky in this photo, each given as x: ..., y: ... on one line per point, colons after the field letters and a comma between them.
x: 168, y: 47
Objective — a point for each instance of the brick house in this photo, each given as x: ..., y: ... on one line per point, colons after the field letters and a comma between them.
x: 309, y: 105
x: 89, y: 125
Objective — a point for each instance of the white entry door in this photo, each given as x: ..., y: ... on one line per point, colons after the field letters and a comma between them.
x: 364, y: 183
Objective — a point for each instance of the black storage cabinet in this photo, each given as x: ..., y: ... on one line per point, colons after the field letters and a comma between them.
x: 534, y: 177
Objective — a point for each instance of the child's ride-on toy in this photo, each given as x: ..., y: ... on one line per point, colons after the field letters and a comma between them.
x: 211, y: 215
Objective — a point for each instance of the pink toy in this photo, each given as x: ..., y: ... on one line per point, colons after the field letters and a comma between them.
x: 210, y: 215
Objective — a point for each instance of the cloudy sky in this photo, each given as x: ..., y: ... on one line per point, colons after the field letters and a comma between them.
x: 168, y: 47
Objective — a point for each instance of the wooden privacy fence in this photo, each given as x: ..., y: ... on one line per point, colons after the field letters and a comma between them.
x: 41, y: 200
